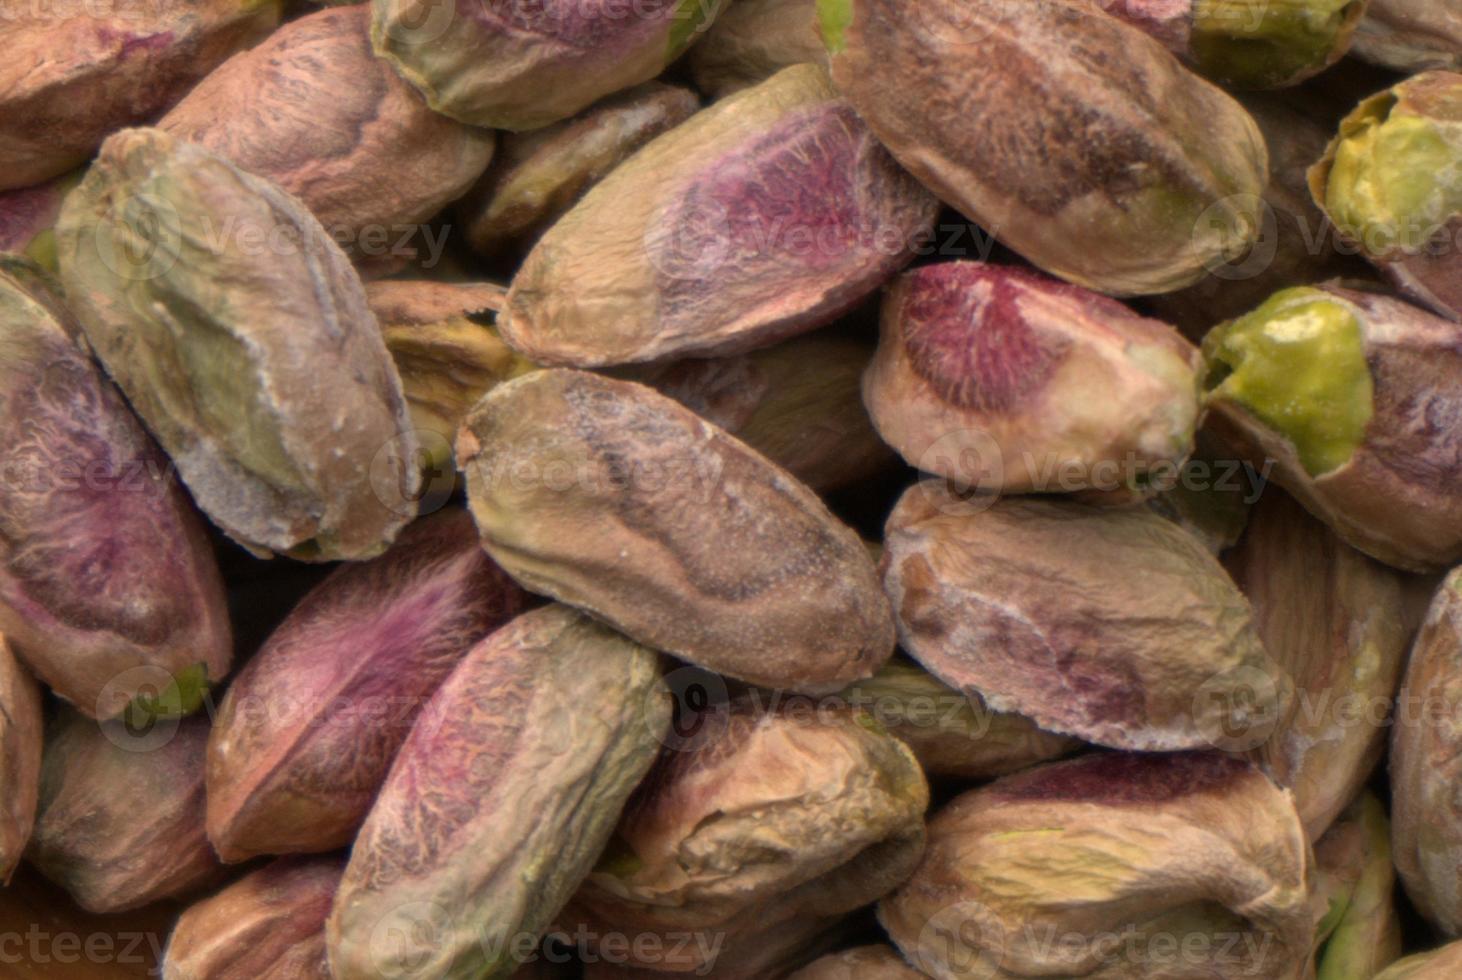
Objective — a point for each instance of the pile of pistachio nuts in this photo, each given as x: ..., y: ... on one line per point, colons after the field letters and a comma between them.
x: 751, y: 489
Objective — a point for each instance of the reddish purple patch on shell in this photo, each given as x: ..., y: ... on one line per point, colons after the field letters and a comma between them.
x: 966, y: 336
x: 1119, y: 778
x: 577, y: 23
x: 24, y: 213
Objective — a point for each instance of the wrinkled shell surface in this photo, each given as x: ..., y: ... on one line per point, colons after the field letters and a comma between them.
x: 752, y: 40
x: 20, y: 758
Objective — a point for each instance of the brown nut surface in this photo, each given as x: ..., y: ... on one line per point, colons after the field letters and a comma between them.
x: 862, y: 963
x: 109, y: 588
x: 20, y: 758
x: 765, y: 215
x: 1335, y: 621
x: 1426, y: 831
x: 611, y: 497
x: 1075, y: 138
x: 268, y: 925
x: 313, y: 110
x: 751, y: 41
x: 1438, y: 964
x: 761, y: 817
x: 1116, y: 626
x: 504, y: 794
x: 1145, y: 866
x: 120, y: 822
x: 1411, y: 35
x: 1361, y: 927
x: 75, y: 72
x: 307, y: 731
x: 1012, y: 382
x: 540, y: 175
x: 1354, y: 398
x: 241, y: 335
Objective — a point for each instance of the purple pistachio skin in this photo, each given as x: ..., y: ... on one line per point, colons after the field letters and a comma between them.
x: 308, y: 730
x: 525, y: 64
x: 108, y: 584
x: 75, y: 72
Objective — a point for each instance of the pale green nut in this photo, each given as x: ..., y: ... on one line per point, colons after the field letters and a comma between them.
x: 1264, y: 44
x: 1298, y: 364
x: 183, y: 696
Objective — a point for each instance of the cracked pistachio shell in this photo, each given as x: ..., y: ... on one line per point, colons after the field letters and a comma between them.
x: 1439, y: 964
x: 1112, y: 867
x: 761, y: 817
x: 861, y: 963
x: 500, y: 801
x: 1335, y: 621
x: 611, y: 497
x: 519, y: 65
x: 28, y: 219
x: 765, y: 215
x: 952, y: 734
x: 1355, y: 399
x: 799, y: 403
x: 1425, y: 810
x: 343, y: 678
x: 1411, y: 35
x: 443, y: 339
x: 1012, y: 382
x: 1391, y: 184
x: 313, y: 110
x: 120, y: 822
x: 20, y: 758
x: 108, y: 584
x: 1112, y: 625
x: 1163, y: 181
x: 751, y: 41
x: 241, y: 335
x: 540, y: 175
x: 1252, y: 44
x: 268, y: 925
x: 75, y: 71
x: 1365, y: 933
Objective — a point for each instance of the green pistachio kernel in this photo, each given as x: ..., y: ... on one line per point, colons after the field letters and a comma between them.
x: 1269, y: 43
x: 182, y: 697
x: 1393, y: 183
x: 834, y: 16
x: 1298, y: 364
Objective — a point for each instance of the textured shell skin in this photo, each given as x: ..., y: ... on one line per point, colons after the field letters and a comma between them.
x: 1046, y: 376
x: 1438, y: 964
x: 1367, y: 937
x: 541, y: 174
x: 313, y: 110
x: 501, y: 799
x: 611, y: 497
x: 1296, y: 250
x: 1411, y: 35
x: 28, y: 218
x: 762, y: 817
x: 861, y: 963
x: 1335, y: 621
x: 775, y: 954
x: 20, y: 758
x: 245, y: 343
x: 1426, y: 828
x: 525, y: 64
x: 307, y: 731
x: 1116, y: 626
x: 1431, y: 277
x: 120, y: 822
x: 1397, y: 497
x: 104, y: 565
x: 765, y: 215
x: 799, y: 403
x: 952, y: 734
x: 1187, y: 844
x: 751, y: 41
x: 76, y: 72
x: 268, y: 925
x: 1078, y: 140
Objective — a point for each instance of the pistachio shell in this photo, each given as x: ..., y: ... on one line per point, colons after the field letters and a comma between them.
x: 1411, y: 35
x: 241, y: 335
x: 343, y: 678
x: 1367, y: 936
x: 862, y: 963
x: 611, y: 497
x: 505, y: 792
x: 1155, y: 176
x: 1115, y: 626
x: 765, y: 215
x: 751, y: 41
x: 20, y: 758
x: 313, y: 110
x: 108, y: 585
x: 1439, y: 964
